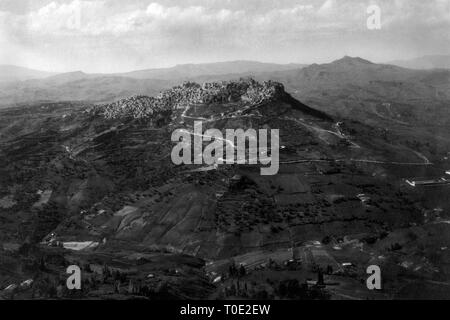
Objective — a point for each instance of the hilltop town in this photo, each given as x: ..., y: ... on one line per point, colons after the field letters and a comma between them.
x: 246, y: 91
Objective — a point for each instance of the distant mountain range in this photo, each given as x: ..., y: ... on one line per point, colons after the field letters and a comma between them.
x: 179, y: 72
x: 97, y: 87
x: 357, y: 88
x: 350, y: 87
x: 10, y: 73
x: 342, y: 72
x: 425, y: 62
x: 188, y: 71
x: 13, y: 73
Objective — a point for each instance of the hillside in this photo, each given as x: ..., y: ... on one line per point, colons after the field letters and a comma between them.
x: 94, y: 185
x: 191, y: 71
x: 10, y: 73
x: 425, y: 62
x: 412, y: 105
x: 81, y: 86
x: 357, y: 88
x: 77, y: 87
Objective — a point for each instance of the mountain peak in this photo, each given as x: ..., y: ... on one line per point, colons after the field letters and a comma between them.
x: 78, y: 72
x: 352, y: 60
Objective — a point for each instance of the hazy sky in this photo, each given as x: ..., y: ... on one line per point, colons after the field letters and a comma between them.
x: 118, y: 35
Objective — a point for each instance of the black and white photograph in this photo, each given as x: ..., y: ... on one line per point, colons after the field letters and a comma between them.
x: 225, y: 154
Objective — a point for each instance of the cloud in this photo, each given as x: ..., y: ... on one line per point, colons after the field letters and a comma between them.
x: 60, y: 18
x: 99, y: 18
x: 95, y: 33
x: 96, y: 18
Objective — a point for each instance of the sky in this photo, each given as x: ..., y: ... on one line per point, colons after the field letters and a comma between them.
x: 117, y: 36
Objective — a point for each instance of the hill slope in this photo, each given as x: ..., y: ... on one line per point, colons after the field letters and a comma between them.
x: 10, y: 73
x: 357, y: 88
x: 99, y: 179
x: 425, y: 62
x: 190, y: 71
